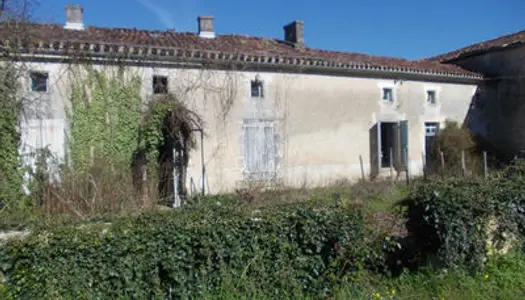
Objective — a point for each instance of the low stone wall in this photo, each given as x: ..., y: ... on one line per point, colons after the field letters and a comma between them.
x: 14, y: 234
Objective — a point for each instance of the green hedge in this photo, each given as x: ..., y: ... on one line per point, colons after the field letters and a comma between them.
x: 449, y: 219
x: 187, y: 253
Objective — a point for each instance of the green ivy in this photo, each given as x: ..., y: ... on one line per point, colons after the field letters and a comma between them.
x: 10, y: 166
x: 185, y: 253
x: 105, y: 119
x: 151, y: 131
x: 450, y: 219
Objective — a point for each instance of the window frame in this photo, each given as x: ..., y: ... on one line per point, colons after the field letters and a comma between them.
x: 260, y: 89
x: 32, y: 86
x: 162, y: 90
x: 436, y: 89
x: 428, y: 92
x: 392, y: 94
x: 432, y: 128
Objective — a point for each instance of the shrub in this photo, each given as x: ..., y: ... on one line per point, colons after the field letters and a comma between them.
x: 454, y: 219
x: 452, y: 141
x: 187, y: 253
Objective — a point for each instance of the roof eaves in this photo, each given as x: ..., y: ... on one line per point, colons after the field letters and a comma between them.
x: 83, y: 48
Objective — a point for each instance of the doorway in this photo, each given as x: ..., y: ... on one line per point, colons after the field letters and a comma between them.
x: 388, y: 146
x: 431, y: 131
x: 388, y: 143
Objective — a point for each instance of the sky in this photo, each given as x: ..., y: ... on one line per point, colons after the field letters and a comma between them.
x: 411, y: 29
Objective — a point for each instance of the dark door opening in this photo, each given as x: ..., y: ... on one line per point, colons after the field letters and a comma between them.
x: 431, y: 131
x: 388, y: 146
x: 388, y: 143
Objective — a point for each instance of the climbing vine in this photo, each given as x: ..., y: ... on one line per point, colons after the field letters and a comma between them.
x: 168, y: 130
x: 10, y: 167
x: 104, y: 119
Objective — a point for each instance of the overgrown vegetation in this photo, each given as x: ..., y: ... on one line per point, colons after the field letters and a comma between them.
x: 451, y: 143
x: 10, y: 167
x: 119, y: 159
x: 167, y: 137
x: 190, y: 252
x: 248, y: 245
x: 454, y: 219
x: 104, y: 119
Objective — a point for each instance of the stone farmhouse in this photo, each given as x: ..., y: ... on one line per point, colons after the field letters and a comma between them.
x: 275, y: 110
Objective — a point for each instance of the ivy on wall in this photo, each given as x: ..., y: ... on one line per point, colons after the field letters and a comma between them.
x: 107, y: 125
x: 10, y: 167
x: 168, y: 125
x: 104, y: 120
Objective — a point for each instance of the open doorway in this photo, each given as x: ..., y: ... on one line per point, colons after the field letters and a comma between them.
x: 388, y: 146
x: 388, y: 143
x: 431, y: 131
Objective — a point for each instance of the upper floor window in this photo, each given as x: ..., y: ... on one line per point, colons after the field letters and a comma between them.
x: 388, y: 94
x: 160, y: 84
x: 257, y: 88
x: 39, y: 81
x: 431, y: 97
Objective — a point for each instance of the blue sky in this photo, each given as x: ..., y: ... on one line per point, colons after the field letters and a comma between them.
x: 403, y: 28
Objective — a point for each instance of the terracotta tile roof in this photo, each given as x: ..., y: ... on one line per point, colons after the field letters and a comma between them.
x: 497, y: 43
x: 50, y: 38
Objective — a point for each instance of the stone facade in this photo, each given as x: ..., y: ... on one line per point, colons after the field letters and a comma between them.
x: 274, y: 110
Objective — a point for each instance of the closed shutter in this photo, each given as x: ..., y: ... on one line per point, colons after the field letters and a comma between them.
x: 259, y: 150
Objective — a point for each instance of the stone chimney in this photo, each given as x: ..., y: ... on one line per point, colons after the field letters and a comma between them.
x: 294, y: 33
x: 206, y: 27
x: 74, y: 17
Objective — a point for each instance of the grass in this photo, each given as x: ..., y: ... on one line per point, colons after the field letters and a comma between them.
x: 503, y: 278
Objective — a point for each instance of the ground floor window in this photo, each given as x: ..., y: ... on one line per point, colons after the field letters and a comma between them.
x: 259, y: 147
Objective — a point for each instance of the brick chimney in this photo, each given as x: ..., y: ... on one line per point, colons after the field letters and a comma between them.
x: 206, y: 27
x: 74, y: 17
x: 294, y: 33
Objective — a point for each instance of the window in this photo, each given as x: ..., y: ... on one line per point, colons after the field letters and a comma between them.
x: 431, y: 97
x: 388, y: 94
x: 39, y: 82
x: 259, y: 150
x: 431, y: 129
x: 257, y: 89
x: 160, y: 84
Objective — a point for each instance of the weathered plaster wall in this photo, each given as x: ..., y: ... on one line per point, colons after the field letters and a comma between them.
x: 500, y: 105
x: 323, y: 122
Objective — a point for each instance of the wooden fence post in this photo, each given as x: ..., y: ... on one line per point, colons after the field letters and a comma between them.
x: 406, y: 165
x: 423, y: 159
x: 391, y: 164
x: 463, y: 165
x: 442, y: 158
x: 362, y: 167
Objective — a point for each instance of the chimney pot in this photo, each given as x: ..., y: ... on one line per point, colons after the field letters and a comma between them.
x: 206, y: 27
x: 74, y: 17
x: 294, y: 33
